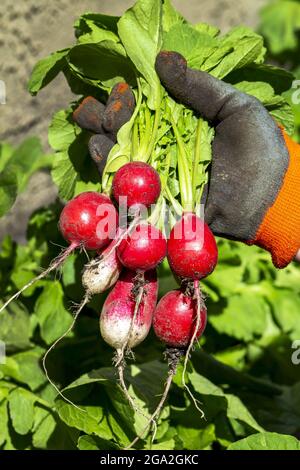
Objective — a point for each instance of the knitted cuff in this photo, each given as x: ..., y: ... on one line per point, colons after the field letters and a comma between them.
x: 279, y: 232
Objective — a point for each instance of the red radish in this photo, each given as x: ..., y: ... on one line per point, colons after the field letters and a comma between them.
x: 118, y: 311
x: 89, y: 220
x: 192, y: 249
x: 143, y: 249
x: 175, y: 322
x: 179, y: 318
x: 192, y: 255
x: 125, y: 321
x: 138, y: 182
x: 174, y: 319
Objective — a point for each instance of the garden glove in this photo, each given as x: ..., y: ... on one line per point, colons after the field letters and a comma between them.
x: 105, y: 120
x: 253, y: 193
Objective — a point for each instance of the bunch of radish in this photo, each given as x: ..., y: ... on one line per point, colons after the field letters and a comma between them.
x: 127, y: 256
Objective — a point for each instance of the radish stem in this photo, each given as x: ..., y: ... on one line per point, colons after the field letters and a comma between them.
x: 80, y: 308
x: 55, y: 264
x: 187, y: 354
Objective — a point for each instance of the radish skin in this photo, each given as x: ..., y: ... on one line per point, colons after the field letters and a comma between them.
x: 143, y: 249
x: 174, y: 319
x: 138, y: 182
x: 103, y: 272
x: 192, y: 248
x: 118, y: 310
x: 89, y: 220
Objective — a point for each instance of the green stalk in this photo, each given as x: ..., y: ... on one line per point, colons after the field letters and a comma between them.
x: 155, y: 215
x: 154, y: 130
x: 185, y: 181
x: 176, y: 206
x: 135, y: 140
x: 154, y: 135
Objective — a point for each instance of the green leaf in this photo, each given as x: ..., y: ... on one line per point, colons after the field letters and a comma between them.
x: 8, y: 189
x: 46, y: 70
x: 20, y: 165
x: 64, y: 175
x: 194, y: 45
x: 29, y: 157
x: 143, y: 21
x: 53, y: 318
x: 95, y: 443
x: 3, y: 421
x: 261, y: 90
x: 44, y: 426
x: 29, y: 367
x: 244, y: 51
x: 170, y: 16
x: 237, y: 410
x: 92, y: 421
x: 266, y: 441
x: 165, y: 445
x: 145, y: 382
x: 27, y: 263
x: 226, y: 278
x: 284, y: 116
x: 73, y: 168
x: 244, y: 317
x: 280, y: 23
x: 6, y: 151
x: 62, y: 130
x: 286, y: 305
x: 15, y: 327
x: 21, y: 409
x: 88, y: 21
x: 278, y: 107
x: 106, y: 62
x: 196, y: 439
x: 206, y: 28
x: 96, y: 34
x: 280, y: 79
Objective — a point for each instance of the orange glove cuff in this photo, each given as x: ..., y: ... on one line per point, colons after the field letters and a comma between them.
x: 279, y: 232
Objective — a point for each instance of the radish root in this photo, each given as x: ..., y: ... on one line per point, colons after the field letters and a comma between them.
x: 198, y: 297
x: 119, y: 360
x: 55, y: 264
x: 76, y: 315
x: 121, y: 368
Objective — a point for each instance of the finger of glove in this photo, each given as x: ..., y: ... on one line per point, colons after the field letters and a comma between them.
x: 119, y: 108
x: 99, y: 147
x: 89, y: 115
x: 207, y: 95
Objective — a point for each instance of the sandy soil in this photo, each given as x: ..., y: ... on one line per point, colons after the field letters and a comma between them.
x: 29, y: 30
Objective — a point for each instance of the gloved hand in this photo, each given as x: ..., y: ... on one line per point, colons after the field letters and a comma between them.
x: 253, y: 194
x: 105, y: 120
